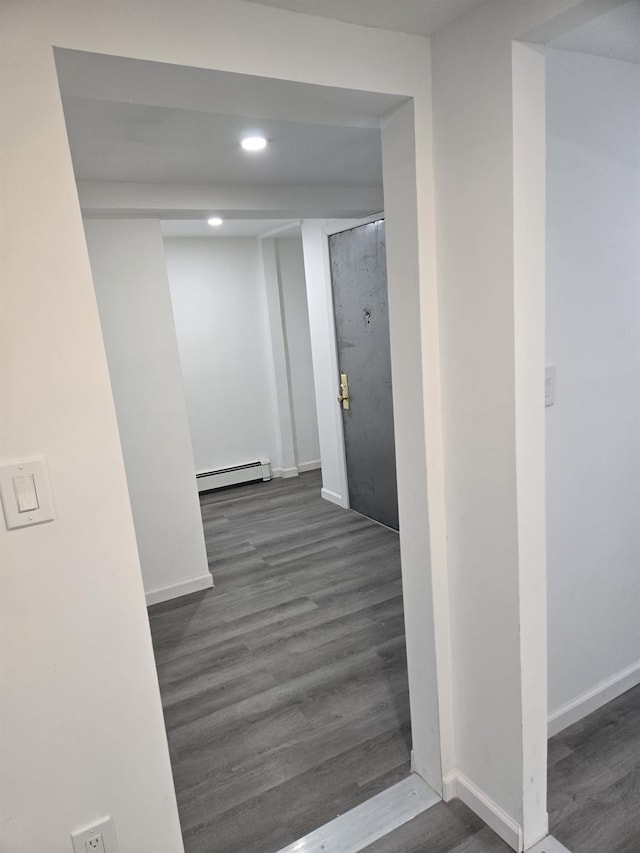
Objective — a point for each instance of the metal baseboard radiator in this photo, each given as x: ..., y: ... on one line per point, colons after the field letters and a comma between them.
x: 246, y: 473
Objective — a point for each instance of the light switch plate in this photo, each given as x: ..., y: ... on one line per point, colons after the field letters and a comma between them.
x: 25, y: 492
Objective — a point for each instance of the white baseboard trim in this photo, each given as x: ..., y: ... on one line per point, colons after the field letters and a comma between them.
x: 309, y: 466
x: 334, y: 497
x: 175, y: 590
x: 458, y: 785
x: 284, y: 472
x: 449, y: 788
x: 593, y: 699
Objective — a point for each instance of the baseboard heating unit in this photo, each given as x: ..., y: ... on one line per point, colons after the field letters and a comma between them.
x: 247, y: 473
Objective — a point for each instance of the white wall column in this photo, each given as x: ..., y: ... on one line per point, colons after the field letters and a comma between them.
x: 325, y: 362
x: 286, y: 465
x: 528, y: 95
x: 495, y: 560
x: 82, y: 727
x: 490, y: 177
x: 406, y: 147
x: 132, y: 289
x: 295, y: 313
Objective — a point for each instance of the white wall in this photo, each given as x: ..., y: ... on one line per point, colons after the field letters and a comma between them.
x: 490, y: 207
x: 279, y: 369
x: 233, y: 379
x: 298, y: 345
x: 489, y: 166
x: 414, y: 344
x: 593, y: 338
x: 223, y: 338
x: 130, y: 278
x: 55, y: 383
x: 73, y: 753
x: 82, y: 727
x: 497, y: 703
x: 251, y: 40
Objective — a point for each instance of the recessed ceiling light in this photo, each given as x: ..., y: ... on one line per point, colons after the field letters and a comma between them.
x: 253, y: 143
x: 214, y: 221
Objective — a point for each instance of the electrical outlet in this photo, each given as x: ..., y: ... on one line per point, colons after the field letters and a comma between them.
x: 100, y: 837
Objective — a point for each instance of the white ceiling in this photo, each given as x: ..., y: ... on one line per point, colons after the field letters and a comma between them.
x: 615, y: 34
x: 229, y: 228
x: 161, y: 125
x: 113, y: 141
x: 420, y: 17
x: 160, y: 131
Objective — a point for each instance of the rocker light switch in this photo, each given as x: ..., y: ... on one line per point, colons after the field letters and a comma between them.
x: 549, y: 385
x: 25, y: 488
x: 25, y: 493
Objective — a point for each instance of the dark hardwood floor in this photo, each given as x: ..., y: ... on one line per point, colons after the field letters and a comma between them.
x: 285, y: 692
x: 284, y: 689
x: 444, y: 828
x: 594, y: 780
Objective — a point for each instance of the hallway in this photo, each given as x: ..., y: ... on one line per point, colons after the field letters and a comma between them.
x: 284, y: 689
x: 285, y: 692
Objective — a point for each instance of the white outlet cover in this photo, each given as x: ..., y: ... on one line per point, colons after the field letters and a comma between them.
x: 105, y: 827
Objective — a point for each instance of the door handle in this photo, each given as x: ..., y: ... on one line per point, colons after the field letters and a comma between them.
x: 343, y: 396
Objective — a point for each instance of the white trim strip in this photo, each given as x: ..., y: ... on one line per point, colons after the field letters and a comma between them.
x: 309, y: 466
x: 175, y: 590
x: 334, y: 498
x: 373, y: 819
x: 337, y: 226
x: 285, y: 473
x: 593, y: 699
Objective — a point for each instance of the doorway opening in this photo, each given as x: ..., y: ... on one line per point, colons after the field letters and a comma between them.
x: 130, y: 203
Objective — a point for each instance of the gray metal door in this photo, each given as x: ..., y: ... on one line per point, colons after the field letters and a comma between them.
x: 359, y: 281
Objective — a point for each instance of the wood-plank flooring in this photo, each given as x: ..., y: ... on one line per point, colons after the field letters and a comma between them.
x: 284, y: 689
x: 594, y: 780
x: 285, y: 692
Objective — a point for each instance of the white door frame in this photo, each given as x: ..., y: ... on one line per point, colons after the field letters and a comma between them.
x: 406, y: 133
x: 413, y: 327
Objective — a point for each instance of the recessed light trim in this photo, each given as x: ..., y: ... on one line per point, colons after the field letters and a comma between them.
x: 214, y: 221
x: 253, y: 143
